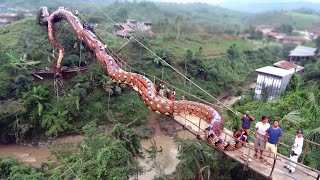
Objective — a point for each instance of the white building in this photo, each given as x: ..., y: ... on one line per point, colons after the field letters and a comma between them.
x: 271, y: 82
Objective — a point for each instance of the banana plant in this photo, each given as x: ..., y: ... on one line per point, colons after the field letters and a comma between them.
x: 36, y: 97
x: 21, y: 62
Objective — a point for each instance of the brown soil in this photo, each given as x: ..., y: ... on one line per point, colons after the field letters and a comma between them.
x: 153, y: 122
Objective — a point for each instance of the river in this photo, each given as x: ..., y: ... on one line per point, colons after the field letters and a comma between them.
x: 165, y: 161
x: 34, y: 156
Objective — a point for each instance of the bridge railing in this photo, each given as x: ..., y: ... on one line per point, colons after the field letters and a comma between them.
x: 248, y: 151
x: 282, y: 158
x: 125, y: 66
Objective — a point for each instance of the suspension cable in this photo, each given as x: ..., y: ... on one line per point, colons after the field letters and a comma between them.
x: 163, y: 61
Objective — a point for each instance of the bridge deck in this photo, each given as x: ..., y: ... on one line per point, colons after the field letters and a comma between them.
x: 51, y: 70
x: 241, y: 155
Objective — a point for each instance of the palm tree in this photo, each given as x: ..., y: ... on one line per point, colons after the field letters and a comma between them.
x: 313, y: 70
x: 311, y: 116
x: 313, y: 105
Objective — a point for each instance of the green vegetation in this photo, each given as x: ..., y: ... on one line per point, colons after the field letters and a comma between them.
x: 296, y: 19
x: 101, y: 156
x: 208, y: 164
x: 298, y: 108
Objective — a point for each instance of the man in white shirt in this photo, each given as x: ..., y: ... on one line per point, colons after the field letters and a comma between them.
x: 296, y: 150
x: 260, y: 134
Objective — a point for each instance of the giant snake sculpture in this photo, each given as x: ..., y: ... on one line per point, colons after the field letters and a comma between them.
x: 138, y: 82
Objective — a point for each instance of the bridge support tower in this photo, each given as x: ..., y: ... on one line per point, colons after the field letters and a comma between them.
x: 58, y: 85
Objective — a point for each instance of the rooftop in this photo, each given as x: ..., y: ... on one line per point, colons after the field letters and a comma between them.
x: 264, y: 27
x: 8, y: 15
x: 293, y: 38
x: 288, y: 66
x: 127, y: 27
x: 274, y: 71
x: 276, y: 35
x: 303, y: 51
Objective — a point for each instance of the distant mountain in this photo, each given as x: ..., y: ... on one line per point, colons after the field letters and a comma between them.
x: 33, y: 5
x: 301, y: 19
x: 255, y: 7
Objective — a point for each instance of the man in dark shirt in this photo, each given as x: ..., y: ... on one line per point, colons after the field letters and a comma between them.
x: 246, y: 122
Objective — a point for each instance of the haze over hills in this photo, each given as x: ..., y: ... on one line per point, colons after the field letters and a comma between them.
x: 256, y: 6
x: 252, y: 6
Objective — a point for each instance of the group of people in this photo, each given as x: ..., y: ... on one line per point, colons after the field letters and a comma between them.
x: 160, y: 90
x: 268, y: 137
x: 88, y: 26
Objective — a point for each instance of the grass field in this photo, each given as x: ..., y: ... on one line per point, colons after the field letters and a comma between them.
x: 305, y: 20
x: 211, y: 46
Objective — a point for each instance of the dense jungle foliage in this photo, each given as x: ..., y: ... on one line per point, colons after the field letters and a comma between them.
x: 207, y: 50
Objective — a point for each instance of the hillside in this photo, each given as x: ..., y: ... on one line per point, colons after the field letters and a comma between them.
x: 253, y: 6
x: 298, y: 19
x: 196, y: 16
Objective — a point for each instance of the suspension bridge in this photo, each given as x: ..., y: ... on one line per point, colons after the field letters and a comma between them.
x: 192, y: 115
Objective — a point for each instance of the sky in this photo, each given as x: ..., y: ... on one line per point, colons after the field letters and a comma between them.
x: 242, y: 1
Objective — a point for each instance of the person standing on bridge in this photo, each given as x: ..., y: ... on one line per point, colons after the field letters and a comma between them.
x: 260, y: 140
x: 246, y: 122
x: 274, y: 134
x: 161, y: 87
x: 296, y: 151
x: 168, y: 93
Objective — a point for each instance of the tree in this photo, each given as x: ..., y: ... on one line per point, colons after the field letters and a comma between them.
x: 233, y: 51
x: 188, y: 59
x: 11, y: 112
x: 36, y: 98
x: 178, y: 22
x: 312, y: 71
x: 55, y: 122
x: 317, y: 41
x: 286, y: 50
x: 198, y: 161
x: 12, y: 169
x: 285, y: 28
x: 121, y: 15
x: 113, y: 161
x: 257, y: 35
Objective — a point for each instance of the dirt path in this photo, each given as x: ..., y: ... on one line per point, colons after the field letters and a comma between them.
x: 228, y: 98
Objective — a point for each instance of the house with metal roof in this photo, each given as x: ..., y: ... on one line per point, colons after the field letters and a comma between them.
x: 131, y: 26
x: 271, y: 82
x: 288, y: 66
x: 302, y: 53
x: 7, y: 18
x: 293, y: 39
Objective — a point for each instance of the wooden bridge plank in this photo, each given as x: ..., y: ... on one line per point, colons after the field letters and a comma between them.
x: 279, y: 173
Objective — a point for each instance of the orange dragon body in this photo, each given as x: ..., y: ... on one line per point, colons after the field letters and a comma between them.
x: 138, y: 82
